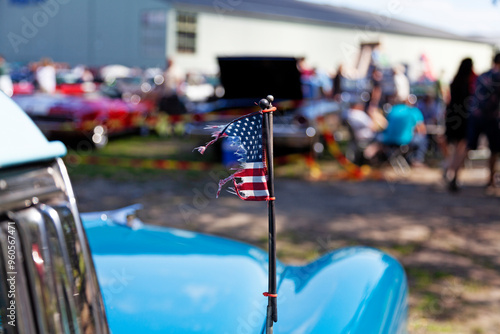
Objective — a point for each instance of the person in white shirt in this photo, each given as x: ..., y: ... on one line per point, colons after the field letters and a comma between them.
x: 172, y: 90
x: 361, y: 124
x: 401, y: 82
x: 365, y: 127
x: 46, y: 76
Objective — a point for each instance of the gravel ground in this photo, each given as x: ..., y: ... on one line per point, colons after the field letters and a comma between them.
x: 448, y: 243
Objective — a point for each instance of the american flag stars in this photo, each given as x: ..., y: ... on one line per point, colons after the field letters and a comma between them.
x: 249, y: 132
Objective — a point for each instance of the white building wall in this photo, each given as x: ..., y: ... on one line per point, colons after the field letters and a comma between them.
x: 324, y: 46
x: 445, y: 55
x: 241, y: 36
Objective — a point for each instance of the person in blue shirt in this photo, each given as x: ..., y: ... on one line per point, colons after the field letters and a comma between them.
x: 405, y: 126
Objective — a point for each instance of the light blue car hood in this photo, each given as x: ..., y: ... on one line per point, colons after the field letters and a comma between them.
x: 20, y: 140
x: 163, y: 280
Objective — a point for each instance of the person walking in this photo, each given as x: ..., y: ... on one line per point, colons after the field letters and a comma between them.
x: 457, y: 111
x: 485, y: 115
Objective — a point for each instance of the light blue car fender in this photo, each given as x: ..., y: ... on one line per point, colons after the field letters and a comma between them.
x: 163, y: 280
x: 351, y: 290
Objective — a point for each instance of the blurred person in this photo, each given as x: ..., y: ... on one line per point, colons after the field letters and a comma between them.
x: 376, y: 56
x: 172, y: 89
x: 373, y: 103
x: 310, y: 87
x: 337, y: 83
x: 401, y: 82
x: 485, y: 117
x: 83, y: 73
x: 5, y: 80
x: 427, y: 74
x: 405, y: 126
x: 363, y: 129
x: 430, y: 108
x: 372, y: 107
x: 316, y: 85
x: 174, y: 76
x: 46, y: 76
x: 322, y: 80
x: 461, y: 91
x: 433, y: 112
x: 304, y: 68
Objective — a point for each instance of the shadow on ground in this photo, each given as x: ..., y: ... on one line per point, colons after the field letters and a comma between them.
x: 449, y: 244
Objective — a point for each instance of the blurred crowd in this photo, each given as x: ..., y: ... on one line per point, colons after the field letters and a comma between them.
x: 388, y: 117
x: 401, y: 126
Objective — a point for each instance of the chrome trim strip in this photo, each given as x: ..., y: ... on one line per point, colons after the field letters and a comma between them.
x: 61, y: 269
x: 94, y: 292
x: 39, y: 265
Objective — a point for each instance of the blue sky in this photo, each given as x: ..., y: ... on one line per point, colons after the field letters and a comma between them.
x: 466, y: 17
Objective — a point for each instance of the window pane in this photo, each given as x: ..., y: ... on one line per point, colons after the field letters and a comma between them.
x: 186, y: 32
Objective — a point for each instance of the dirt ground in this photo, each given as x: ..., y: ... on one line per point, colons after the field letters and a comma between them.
x: 448, y: 243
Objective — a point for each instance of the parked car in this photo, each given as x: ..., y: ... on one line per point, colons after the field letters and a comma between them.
x: 68, y: 81
x: 107, y: 272
x: 91, y: 118
x: 245, y: 80
x: 22, y: 79
x: 71, y: 82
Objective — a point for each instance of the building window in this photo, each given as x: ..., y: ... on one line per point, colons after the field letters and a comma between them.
x: 186, y: 32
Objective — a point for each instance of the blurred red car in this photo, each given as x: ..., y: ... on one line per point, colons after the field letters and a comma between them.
x: 23, y: 88
x: 91, y: 118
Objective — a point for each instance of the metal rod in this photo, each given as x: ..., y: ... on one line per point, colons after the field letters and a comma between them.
x: 272, y: 308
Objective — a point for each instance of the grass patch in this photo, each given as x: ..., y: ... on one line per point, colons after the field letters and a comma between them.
x: 404, y: 250
x: 426, y: 326
x: 474, y: 286
x: 429, y: 304
x: 421, y: 279
x: 399, y: 250
x: 127, y: 174
x: 291, y: 236
x: 155, y: 147
x: 306, y: 254
x: 149, y: 148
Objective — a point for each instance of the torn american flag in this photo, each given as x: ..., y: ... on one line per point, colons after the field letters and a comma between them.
x: 246, y: 133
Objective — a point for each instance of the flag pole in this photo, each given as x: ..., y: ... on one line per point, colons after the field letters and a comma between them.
x: 272, y: 305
